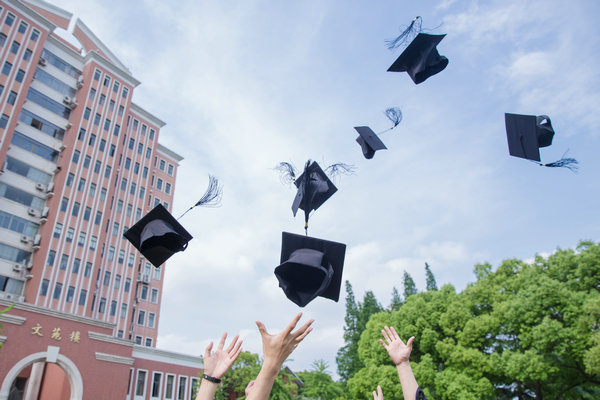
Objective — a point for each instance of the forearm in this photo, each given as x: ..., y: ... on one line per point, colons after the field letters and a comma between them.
x: 264, y: 382
x: 407, y: 380
x: 207, y: 390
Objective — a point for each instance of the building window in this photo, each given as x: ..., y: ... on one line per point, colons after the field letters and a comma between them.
x: 131, y: 260
x: 57, y: 230
x: 141, y: 317
x: 102, y: 305
x: 81, y: 239
x: 9, y: 19
x: 76, y: 264
x: 76, y: 155
x: 51, y: 257
x: 81, y: 185
x: 148, y: 342
x: 111, y: 105
x: 121, y: 256
x: 123, y: 313
x: 156, y: 274
x: 86, y: 113
x: 86, y: 161
x: 20, y: 75
x: 169, y: 387
x: 2, y: 39
x: 97, y: 119
x: 151, y: 320
x: 125, y: 93
x: 102, y: 99
x: 113, y: 307
x: 156, y: 383
x: 138, y: 339
x: 70, y: 234
x: 75, y: 211
x: 115, y: 230
x: 34, y: 35
x: 44, y: 289
x: 14, y: 48
x: 116, y: 87
x: 27, y: 55
x: 87, y: 272
x: 117, y: 282
x: 120, y: 111
x: 88, y: 211
x: 12, y: 96
x: 70, y: 294
x: 111, y: 253
x: 154, y: 296
x: 64, y: 261
x: 106, y: 124
x: 3, y: 121
x: 6, y: 68
x: 93, y: 242
x: 98, y: 218
x: 92, y: 94
x: 127, y: 285
x: 102, y: 145
x: 106, y: 80
x: 168, y: 188
x: 182, y: 386
x: 159, y: 184
x: 82, y: 297
x: 57, y: 290
x: 97, y: 167
x: 64, y: 204
x: 22, y: 27
x: 144, y: 292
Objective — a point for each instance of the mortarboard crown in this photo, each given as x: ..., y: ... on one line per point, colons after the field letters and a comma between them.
x: 368, y: 141
x: 158, y: 236
x: 310, y: 267
x: 421, y: 58
x: 526, y: 134
x: 314, y: 189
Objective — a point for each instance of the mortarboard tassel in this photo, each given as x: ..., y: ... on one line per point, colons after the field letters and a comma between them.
x: 565, y: 162
x: 406, y: 35
x: 287, y: 172
x: 394, y: 114
x: 339, y: 168
x: 210, y: 198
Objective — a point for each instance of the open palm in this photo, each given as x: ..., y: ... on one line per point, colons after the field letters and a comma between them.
x: 398, y: 351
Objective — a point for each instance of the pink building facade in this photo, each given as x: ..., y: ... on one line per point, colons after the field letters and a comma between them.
x: 79, y: 164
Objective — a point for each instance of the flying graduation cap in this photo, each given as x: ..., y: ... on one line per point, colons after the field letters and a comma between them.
x: 369, y: 141
x: 158, y: 235
x: 526, y: 134
x: 310, y: 267
x: 420, y: 59
x: 314, y: 186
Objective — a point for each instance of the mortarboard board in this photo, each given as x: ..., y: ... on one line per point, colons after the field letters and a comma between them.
x: 310, y: 267
x: 421, y: 58
x: 158, y: 236
x: 368, y: 141
x: 314, y: 189
x: 526, y: 134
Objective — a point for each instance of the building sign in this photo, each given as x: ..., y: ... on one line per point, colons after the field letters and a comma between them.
x: 74, y: 336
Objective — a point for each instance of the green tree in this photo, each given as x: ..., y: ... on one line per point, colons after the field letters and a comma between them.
x: 523, y: 331
x: 357, y: 316
x: 409, y: 285
x: 431, y: 284
x: 396, y: 300
x: 318, y: 384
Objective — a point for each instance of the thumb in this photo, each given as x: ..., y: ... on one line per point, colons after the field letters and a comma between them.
x: 261, y: 328
x: 409, y: 342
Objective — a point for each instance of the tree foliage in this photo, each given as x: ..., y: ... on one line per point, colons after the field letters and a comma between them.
x: 357, y: 316
x: 430, y: 278
x: 524, y: 331
x: 409, y: 285
x: 396, y: 300
x: 318, y: 384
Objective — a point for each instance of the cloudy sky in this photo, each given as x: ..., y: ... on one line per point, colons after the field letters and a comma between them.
x: 244, y: 85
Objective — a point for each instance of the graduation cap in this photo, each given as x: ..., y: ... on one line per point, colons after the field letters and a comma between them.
x: 310, y: 267
x: 158, y: 235
x: 369, y: 141
x: 526, y: 134
x: 313, y: 186
x: 420, y: 59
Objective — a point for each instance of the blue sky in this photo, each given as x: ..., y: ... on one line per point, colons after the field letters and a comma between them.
x: 246, y: 85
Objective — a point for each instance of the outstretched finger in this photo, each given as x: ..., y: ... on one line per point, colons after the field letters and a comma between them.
x: 303, y: 328
x: 222, y: 341
x: 292, y: 324
x: 232, y: 344
x: 237, y: 348
x: 262, y: 329
x: 208, y: 350
x: 303, y: 335
x: 386, y: 334
x: 385, y: 346
x: 237, y: 352
x: 409, y: 342
x: 394, y: 333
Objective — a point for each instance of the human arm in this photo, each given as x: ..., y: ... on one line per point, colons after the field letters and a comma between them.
x: 216, y: 364
x: 400, y: 354
x: 276, y: 349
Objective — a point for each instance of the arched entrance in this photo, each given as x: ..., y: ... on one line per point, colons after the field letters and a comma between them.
x: 41, y: 376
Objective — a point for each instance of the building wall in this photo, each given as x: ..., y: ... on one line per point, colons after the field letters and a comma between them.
x: 79, y: 164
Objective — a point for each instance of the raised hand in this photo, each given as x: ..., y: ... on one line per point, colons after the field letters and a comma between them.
x: 398, y: 351
x: 217, y: 363
x: 378, y: 395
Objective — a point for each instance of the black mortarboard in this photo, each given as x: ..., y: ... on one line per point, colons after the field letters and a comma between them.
x: 369, y: 141
x: 310, y: 267
x: 158, y: 236
x: 526, y: 134
x: 421, y: 58
x: 314, y: 188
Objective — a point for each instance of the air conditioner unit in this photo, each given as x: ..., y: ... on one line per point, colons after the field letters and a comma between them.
x: 37, y: 239
x: 45, y: 212
x: 79, y: 82
x: 32, y: 212
x: 40, y: 187
x: 62, y: 147
x: 72, y: 104
x: 17, y: 268
x: 28, y: 276
x: 67, y: 100
x: 29, y: 266
x: 50, y: 187
x: 24, y: 239
x: 68, y: 125
x: 42, y: 61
